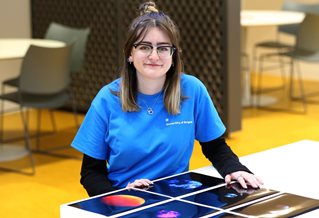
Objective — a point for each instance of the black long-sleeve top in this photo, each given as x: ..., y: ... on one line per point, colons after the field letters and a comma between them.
x: 94, y: 171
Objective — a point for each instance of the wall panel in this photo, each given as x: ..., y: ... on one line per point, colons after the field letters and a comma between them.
x: 204, y: 27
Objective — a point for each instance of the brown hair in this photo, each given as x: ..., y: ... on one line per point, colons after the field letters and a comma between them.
x: 150, y: 17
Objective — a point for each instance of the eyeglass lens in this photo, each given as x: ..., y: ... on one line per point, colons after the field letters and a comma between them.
x: 164, y: 51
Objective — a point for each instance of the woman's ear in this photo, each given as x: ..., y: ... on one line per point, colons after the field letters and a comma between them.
x: 130, y: 59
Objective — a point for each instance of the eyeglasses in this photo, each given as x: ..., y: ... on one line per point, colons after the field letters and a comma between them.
x: 164, y: 51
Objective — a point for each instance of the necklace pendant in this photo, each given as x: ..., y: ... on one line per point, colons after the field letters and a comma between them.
x: 150, y: 111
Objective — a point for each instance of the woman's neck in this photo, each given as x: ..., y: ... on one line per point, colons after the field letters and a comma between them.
x: 150, y: 87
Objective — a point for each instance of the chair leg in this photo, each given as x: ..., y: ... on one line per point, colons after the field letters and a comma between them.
x: 17, y: 148
x: 39, y: 121
x: 38, y: 135
x: 54, y: 127
x: 282, y: 70
x: 255, y: 59
x: 2, y: 139
x: 301, y: 87
x: 293, y: 66
x: 291, y: 81
x: 256, y: 68
x: 259, y: 81
x: 27, y: 141
x: 2, y: 118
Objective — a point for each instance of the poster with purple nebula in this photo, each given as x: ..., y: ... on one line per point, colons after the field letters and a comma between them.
x: 184, y: 184
x: 172, y: 209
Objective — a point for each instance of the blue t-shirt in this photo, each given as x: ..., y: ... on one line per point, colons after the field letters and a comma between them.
x: 139, y: 145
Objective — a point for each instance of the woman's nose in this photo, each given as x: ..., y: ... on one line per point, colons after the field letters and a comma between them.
x: 154, y: 54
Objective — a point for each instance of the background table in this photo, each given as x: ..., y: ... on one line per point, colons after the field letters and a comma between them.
x: 17, y: 48
x: 12, y: 50
x: 251, y: 18
x: 262, y: 18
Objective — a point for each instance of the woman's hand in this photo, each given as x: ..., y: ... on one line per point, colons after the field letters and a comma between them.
x: 140, y: 183
x: 244, y: 179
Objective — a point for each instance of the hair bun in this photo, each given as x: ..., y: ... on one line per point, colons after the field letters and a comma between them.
x: 147, y: 7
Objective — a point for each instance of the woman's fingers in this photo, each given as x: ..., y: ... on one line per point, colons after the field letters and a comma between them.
x: 139, y: 183
x: 244, y: 179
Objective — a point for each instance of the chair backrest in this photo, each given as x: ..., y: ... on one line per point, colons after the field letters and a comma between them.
x: 308, y: 34
x: 78, y: 36
x: 45, y: 70
x: 292, y: 5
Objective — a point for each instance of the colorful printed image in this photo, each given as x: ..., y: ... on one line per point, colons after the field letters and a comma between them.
x: 229, y: 195
x: 122, y: 200
x: 226, y: 215
x: 118, y: 202
x: 172, y: 209
x: 167, y: 213
x: 184, y: 184
x: 284, y: 205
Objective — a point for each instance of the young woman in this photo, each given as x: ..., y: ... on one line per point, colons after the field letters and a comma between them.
x: 142, y: 126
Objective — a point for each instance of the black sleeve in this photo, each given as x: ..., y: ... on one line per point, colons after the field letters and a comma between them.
x: 94, y: 176
x: 222, y: 157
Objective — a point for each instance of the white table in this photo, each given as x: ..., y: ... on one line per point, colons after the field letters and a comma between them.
x: 290, y: 168
x: 262, y: 18
x: 251, y: 18
x: 15, y: 49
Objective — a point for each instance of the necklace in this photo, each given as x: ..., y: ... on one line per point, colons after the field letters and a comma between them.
x: 149, y: 109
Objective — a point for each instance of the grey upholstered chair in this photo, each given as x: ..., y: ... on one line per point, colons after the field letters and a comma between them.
x: 306, y: 49
x: 77, y: 36
x: 67, y: 34
x: 43, y: 84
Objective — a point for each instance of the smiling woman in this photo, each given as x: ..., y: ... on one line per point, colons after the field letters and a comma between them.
x: 143, y: 125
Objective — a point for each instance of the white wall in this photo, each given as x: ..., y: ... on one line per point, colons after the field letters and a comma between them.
x: 14, y: 23
x: 269, y: 4
x: 15, y: 18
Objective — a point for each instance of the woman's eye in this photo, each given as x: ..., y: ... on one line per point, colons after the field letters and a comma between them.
x: 145, y: 47
x: 163, y: 49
